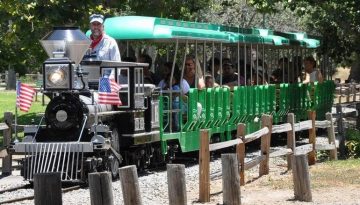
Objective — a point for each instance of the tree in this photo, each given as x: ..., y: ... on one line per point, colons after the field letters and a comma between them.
x: 241, y: 14
x: 25, y: 22
x: 336, y: 21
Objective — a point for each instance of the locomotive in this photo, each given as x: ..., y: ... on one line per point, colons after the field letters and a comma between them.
x: 78, y: 135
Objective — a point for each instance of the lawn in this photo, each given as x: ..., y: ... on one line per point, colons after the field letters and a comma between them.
x: 7, y: 104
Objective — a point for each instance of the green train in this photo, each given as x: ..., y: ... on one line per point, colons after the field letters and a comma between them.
x: 156, y: 122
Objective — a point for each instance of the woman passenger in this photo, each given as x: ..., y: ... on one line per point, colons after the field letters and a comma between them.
x: 193, y: 70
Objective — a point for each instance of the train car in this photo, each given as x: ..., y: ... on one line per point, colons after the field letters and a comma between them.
x: 77, y: 135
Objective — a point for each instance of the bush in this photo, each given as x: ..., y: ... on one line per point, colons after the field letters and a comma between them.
x: 353, y: 143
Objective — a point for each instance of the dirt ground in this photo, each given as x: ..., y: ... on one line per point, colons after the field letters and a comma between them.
x: 277, y: 187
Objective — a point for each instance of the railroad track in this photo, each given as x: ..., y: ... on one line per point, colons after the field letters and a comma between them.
x: 64, y: 190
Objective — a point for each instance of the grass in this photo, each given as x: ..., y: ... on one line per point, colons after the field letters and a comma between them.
x: 7, y: 104
x: 336, y: 174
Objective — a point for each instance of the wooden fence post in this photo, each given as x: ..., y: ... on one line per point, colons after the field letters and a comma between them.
x: 290, y: 138
x: 341, y: 130
x: 176, y: 184
x: 312, y: 138
x: 7, y: 160
x: 358, y: 116
x: 331, y: 136
x: 240, y: 150
x: 301, y: 177
x: 100, y: 185
x: 231, y: 179
x: 266, y: 121
x: 130, y: 185
x: 204, y: 169
x: 47, y: 189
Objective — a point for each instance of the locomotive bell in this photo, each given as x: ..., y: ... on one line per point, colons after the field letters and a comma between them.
x: 65, y: 47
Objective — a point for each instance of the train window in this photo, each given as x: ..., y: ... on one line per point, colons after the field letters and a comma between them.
x: 139, y: 87
x: 139, y: 80
x: 108, y: 72
x: 123, y: 77
x: 123, y: 80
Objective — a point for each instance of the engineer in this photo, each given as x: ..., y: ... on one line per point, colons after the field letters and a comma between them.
x: 102, y: 46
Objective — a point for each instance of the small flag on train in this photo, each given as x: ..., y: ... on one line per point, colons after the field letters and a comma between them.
x: 109, y: 92
x: 24, y: 96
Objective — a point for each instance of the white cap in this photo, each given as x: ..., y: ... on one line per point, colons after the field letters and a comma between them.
x: 97, y: 17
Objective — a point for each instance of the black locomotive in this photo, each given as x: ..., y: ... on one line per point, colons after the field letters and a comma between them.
x: 78, y: 135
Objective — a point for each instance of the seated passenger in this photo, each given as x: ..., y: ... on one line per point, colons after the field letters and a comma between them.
x: 310, y: 68
x: 149, y: 77
x: 230, y: 78
x: 175, y: 86
x: 216, y: 69
x: 209, y: 81
x: 280, y: 75
x: 164, y: 84
x: 193, y: 71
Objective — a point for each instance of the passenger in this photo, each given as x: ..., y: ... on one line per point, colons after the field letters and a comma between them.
x: 230, y: 78
x: 310, y: 68
x: 102, y: 46
x: 149, y: 77
x: 175, y: 86
x: 164, y: 84
x: 210, y: 82
x: 295, y: 71
x: 192, y: 70
x: 216, y: 69
x: 280, y: 75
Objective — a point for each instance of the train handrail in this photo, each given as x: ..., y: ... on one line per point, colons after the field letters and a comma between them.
x: 82, y: 129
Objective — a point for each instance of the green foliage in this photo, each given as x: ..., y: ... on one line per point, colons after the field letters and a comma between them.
x: 25, y: 22
x: 337, y: 21
x: 242, y: 14
x: 353, y: 143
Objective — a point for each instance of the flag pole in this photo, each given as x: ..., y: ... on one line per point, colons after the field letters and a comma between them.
x: 16, y: 111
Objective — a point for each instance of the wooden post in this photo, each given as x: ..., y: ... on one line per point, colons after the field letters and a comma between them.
x: 301, y: 177
x: 204, y: 167
x: 290, y: 138
x: 341, y: 131
x: 47, y: 189
x: 231, y: 180
x: 100, y: 185
x: 7, y: 160
x: 358, y: 116
x: 130, y: 185
x: 240, y: 150
x: 176, y: 184
x: 331, y: 136
x: 354, y: 91
x: 266, y: 121
x: 312, y: 137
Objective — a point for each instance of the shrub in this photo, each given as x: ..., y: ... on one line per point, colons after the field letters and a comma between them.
x: 353, y: 143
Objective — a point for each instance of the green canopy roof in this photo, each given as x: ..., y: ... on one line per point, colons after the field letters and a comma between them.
x: 161, y: 29
x: 300, y: 39
x: 140, y: 27
x: 267, y: 36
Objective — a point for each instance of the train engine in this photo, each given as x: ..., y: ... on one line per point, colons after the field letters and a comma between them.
x: 77, y: 134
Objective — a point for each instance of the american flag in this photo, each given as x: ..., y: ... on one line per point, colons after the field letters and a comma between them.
x: 24, y: 96
x: 109, y: 92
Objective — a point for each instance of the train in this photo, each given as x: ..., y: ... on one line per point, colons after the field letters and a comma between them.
x: 77, y: 135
